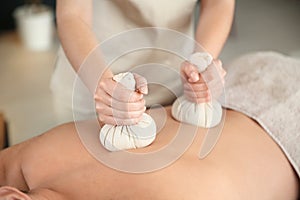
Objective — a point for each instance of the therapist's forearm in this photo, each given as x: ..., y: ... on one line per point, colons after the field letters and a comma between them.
x: 214, y: 25
x: 74, y: 23
x: 77, y: 39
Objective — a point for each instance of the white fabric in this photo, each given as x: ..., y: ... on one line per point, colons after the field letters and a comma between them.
x: 115, y: 138
x: 201, y: 60
x: 112, y: 17
x: 199, y: 114
x: 266, y: 87
x: 203, y: 114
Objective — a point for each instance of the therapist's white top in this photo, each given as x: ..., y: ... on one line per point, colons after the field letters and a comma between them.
x: 111, y: 17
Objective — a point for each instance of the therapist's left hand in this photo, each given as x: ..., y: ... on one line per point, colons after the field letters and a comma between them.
x: 202, y: 87
x: 117, y: 105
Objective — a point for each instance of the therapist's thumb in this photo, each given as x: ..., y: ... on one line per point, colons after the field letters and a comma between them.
x: 141, y: 83
x: 189, y: 72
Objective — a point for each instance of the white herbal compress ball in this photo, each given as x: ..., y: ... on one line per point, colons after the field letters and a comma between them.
x: 115, y: 138
x: 200, y: 114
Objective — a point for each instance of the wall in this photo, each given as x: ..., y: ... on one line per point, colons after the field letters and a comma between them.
x: 6, y: 9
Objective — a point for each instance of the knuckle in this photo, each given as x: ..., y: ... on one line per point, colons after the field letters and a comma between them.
x: 100, y: 109
x: 109, y: 102
x: 99, y: 98
x: 102, y: 85
x: 143, y: 102
x: 98, y: 93
x: 101, y: 118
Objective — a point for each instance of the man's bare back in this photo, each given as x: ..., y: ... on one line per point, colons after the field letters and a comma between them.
x: 245, y: 164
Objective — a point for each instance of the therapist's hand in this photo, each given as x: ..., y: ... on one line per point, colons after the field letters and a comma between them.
x: 117, y: 105
x: 202, y: 87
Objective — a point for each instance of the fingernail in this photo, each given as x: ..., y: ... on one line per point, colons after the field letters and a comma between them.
x: 194, y: 77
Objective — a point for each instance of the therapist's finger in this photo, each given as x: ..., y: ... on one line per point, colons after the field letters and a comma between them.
x: 104, y: 98
x: 197, y: 86
x: 105, y: 112
x: 197, y: 92
x: 189, y: 72
x: 105, y: 109
x: 118, y: 91
x: 141, y: 83
x: 113, y: 116
x: 125, y: 113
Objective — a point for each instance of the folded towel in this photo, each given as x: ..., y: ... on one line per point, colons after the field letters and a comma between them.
x: 266, y: 87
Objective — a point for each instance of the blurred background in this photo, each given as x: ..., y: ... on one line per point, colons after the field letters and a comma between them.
x: 25, y: 69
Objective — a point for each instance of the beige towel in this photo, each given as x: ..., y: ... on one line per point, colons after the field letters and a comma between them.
x: 266, y: 87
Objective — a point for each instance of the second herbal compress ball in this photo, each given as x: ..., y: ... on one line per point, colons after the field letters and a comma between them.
x: 200, y: 114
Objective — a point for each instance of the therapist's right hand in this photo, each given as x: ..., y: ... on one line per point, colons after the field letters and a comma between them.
x: 117, y: 105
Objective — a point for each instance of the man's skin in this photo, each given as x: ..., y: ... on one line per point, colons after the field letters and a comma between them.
x: 245, y: 164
